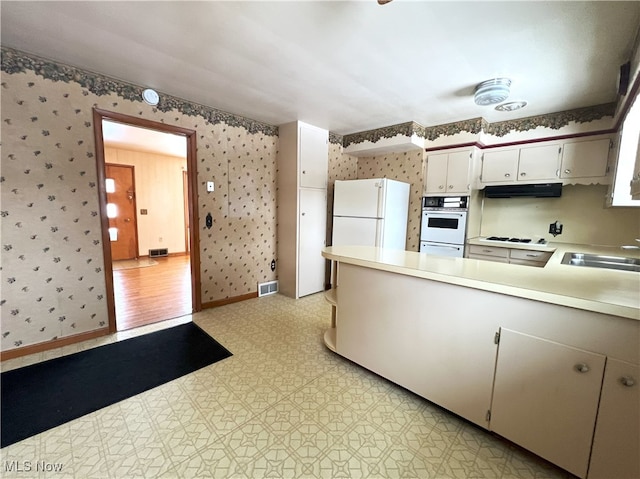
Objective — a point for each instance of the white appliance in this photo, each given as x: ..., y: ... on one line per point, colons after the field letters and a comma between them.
x: 443, y: 226
x: 370, y: 212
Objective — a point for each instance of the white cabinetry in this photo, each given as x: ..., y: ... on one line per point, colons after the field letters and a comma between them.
x: 303, y: 156
x: 509, y: 255
x: 526, y: 164
x: 545, y: 398
x: 635, y: 179
x: 544, y: 385
x: 585, y: 159
x: 616, y: 443
x: 570, y: 162
x: 448, y: 173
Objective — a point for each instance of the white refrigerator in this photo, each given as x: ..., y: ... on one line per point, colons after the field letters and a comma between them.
x: 370, y: 212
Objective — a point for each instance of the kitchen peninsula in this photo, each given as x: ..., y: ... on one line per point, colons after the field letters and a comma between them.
x: 540, y: 356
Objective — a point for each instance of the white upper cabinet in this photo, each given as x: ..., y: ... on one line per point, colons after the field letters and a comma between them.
x: 585, y: 159
x: 313, y: 156
x: 569, y: 162
x: 539, y: 163
x: 635, y: 180
x: 500, y: 166
x: 525, y: 164
x: 448, y: 173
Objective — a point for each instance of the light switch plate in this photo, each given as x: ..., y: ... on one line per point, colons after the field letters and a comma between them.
x: 210, y: 186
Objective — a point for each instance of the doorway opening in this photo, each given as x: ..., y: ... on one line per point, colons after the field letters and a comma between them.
x: 137, y: 293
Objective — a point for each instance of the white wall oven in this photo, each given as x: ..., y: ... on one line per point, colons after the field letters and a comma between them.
x: 444, y: 225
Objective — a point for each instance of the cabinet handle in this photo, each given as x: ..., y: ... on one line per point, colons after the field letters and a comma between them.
x: 627, y: 381
x: 581, y: 368
x: 303, y: 214
x: 567, y: 171
x: 440, y: 187
x: 487, y: 251
x: 523, y: 174
x: 507, y: 175
x: 450, y: 187
x: 304, y: 172
x: 532, y: 255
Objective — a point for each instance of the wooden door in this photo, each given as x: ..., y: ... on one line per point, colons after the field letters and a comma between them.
x: 121, y: 210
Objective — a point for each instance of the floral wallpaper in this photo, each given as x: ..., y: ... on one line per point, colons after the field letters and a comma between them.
x: 52, y: 267
x: 404, y: 166
x: 53, y: 277
x: 53, y: 281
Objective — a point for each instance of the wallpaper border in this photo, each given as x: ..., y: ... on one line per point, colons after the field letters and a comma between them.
x: 14, y: 61
x: 478, y: 125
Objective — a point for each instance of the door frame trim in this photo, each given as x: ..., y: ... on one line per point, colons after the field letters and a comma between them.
x: 194, y: 237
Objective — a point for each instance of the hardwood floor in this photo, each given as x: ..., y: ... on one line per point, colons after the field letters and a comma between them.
x: 153, y: 293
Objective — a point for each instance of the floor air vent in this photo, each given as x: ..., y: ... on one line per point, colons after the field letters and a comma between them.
x: 267, y: 288
x: 156, y: 253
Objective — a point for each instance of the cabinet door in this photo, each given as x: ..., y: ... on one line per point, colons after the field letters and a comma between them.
x: 545, y: 398
x: 539, y: 163
x: 436, y: 181
x: 458, y: 172
x: 500, y: 166
x: 616, y: 444
x: 585, y: 159
x: 635, y: 179
x: 312, y: 230
x: 314, y: 157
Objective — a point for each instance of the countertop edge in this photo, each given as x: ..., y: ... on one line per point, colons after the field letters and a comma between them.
x: 518, y: 291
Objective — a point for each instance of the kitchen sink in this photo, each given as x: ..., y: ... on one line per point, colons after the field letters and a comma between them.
x: 602, y: 261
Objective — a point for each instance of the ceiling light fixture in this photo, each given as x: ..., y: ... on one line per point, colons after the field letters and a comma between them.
x: 150, y: 97
x: 511, y: 106
x: 493, y: 91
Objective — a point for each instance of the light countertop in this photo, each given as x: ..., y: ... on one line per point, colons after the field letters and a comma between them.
x: 593, y: 289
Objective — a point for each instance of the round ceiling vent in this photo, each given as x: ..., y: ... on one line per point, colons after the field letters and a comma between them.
x: 511, y: 106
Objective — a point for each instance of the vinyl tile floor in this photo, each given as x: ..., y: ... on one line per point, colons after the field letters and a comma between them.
x: 283, y: 406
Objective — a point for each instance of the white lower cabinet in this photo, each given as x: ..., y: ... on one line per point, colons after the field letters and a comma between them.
x: 541, y: 385
x: 501, y: 254
x: 545, y: 398
x: 311, y: 240
x: 616, y: 443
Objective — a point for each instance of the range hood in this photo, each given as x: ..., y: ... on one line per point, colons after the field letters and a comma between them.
x: 543, y: 190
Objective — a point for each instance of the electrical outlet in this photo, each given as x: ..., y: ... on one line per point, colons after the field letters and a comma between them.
x: 555, y: 228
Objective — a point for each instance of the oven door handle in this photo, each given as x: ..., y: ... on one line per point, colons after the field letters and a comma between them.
x: 443, y: 246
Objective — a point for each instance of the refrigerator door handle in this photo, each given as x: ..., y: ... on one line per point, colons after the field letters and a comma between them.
x: 379, y: 232
x: 381, y: 196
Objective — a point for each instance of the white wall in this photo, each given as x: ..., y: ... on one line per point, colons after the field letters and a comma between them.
x: 580, y: 209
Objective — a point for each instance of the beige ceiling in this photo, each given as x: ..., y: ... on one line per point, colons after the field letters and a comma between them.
x: 343, y: 66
